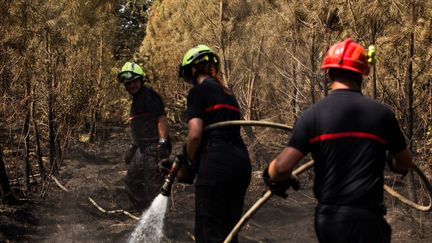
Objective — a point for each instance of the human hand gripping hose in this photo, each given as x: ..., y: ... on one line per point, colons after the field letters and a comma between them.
x: 258, y: 204
x: 164, y: 148
x: 279, y: 188
x: 169, y: 179
x: 181, y: 166
x: 189, y: 168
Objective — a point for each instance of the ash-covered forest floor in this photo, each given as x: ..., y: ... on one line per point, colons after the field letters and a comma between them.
x: 97, y: 171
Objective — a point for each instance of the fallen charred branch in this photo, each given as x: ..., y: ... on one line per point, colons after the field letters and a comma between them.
x: 117, y: 211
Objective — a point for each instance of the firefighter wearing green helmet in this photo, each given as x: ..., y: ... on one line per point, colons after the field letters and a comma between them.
x: 149, y: 129
x: 222, y: 159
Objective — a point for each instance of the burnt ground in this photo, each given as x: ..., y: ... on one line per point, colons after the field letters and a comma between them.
x: 96, y: 171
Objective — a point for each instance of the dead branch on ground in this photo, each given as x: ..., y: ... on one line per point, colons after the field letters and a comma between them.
x: 59, y: 184
x: 95, y: 204
x: 112, y: 211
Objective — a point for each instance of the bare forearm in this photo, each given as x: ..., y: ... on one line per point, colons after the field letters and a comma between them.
x: 282, y: 166
x: 194, y: 137
x: 192, y: 147
x: 403, y: 160
x: 162, y: 125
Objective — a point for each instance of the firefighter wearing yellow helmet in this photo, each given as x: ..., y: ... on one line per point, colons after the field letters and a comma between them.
x: 222, y: 159
x: 149, y: 129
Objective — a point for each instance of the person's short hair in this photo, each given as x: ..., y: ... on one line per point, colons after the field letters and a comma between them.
x: 344, y: 75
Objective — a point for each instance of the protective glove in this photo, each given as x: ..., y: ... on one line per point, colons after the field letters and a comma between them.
x: 390, y: 165
x: 279, y: 187
x: 163, y: 152
x: 183, y: 157
x: 164, y: 166
x: 164, y: 148
x: 188, y: 168
x: 130, y: 153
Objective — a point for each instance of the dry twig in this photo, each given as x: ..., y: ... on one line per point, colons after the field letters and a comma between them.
x: 59, y: 184
x: 113, y: 211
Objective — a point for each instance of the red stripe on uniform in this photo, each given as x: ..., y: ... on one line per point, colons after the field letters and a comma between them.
x: 329, y: 136
x: 220, y: 106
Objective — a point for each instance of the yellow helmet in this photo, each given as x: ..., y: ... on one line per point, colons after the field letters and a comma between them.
x: 195, y: 55
x: 129, y: 72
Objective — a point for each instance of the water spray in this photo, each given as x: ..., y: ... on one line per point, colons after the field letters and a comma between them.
x: 169, y: 180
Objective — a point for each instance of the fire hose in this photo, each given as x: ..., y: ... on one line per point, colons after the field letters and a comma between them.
x: 298, y: 171
x: 305, y: 167
x: 258, y: 204
x: 176, y: 166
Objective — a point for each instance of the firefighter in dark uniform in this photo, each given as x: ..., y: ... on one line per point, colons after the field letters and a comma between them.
x: 149, y: 129
x: 348, y: 135
x: 224, y: 168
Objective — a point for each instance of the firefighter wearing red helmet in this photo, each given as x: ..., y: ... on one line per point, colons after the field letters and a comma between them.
x: 348, y: 136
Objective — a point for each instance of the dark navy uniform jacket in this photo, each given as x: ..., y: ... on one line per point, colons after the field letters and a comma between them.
x: 146, y: 107
x: 212, y: 103
x: 347, y: 135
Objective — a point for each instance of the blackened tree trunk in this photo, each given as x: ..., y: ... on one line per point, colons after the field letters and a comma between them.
x: 409, y: 116
x: 37, y: 138
x: 26, y: 132
x: 222, y: 41
x: 96, y: 108
x: 51, y: 115
x: 251, y: 87
x: 293, y: 101
x: 27, y: 97
x: 313, y: 57
x: 4, y: 180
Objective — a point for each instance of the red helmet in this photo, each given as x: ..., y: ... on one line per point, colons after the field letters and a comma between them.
x: 347, y: 55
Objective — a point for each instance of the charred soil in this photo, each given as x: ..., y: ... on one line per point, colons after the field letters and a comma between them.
x: 96, y: 171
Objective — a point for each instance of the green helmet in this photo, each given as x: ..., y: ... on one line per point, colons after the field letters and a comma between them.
x: 195, y: 55
x: 129, y: 72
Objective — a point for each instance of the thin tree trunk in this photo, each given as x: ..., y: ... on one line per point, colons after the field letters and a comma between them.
x: 410, y: 97
x: 293, y: 102
x: 27, y: 97
x: 251, y: 86
x: 51, y: 115
x: 374, y: 31
x: 37, y: 138
x: 4, y: 180
x: 374, y: 82
x: 222, y: 39
x: 92, y: 131
x: 325, y: 85
x: 95, y: 115
x: 26, y: 132
x: 313, y: 66
x: 261, y: 154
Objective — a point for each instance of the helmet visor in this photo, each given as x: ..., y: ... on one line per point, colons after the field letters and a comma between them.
x: 127, y: 76
x: 185, y: 72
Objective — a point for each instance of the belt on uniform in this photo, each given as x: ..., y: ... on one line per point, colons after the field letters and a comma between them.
x: 148, y: 141
x: 221, y: 141
x: 379, y: 209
